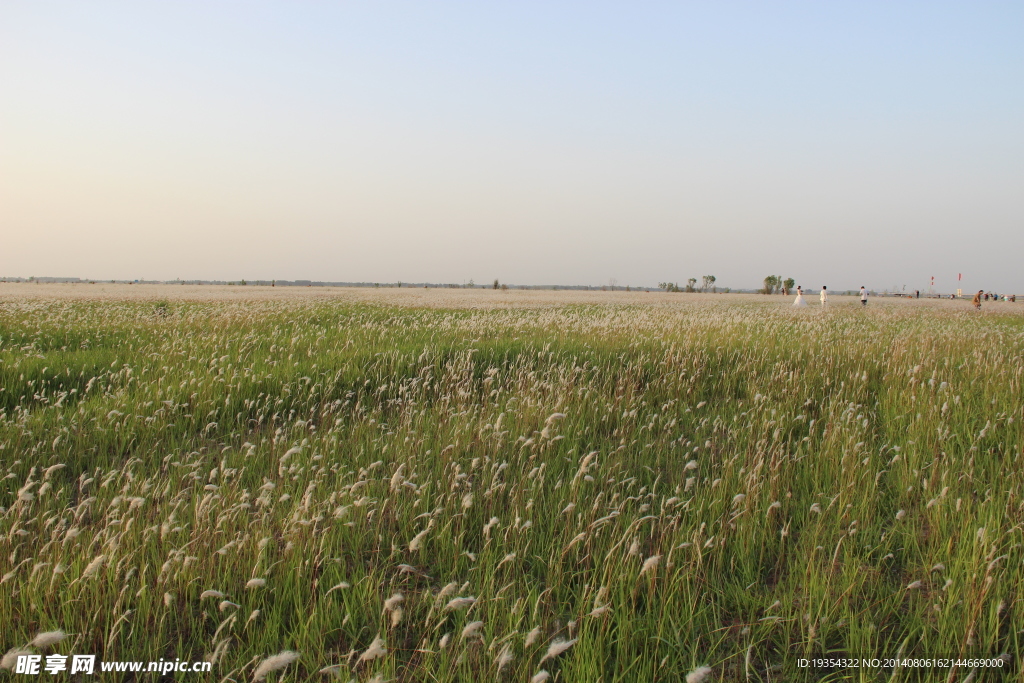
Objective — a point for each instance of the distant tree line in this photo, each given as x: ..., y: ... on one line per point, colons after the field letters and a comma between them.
x: 775, y: 283
x: 707, y: 283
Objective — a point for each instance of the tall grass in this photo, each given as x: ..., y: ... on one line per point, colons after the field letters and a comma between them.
x: 610, y: 493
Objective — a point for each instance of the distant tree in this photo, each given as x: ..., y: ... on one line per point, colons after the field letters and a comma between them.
x: 691, y: 285
x: 707, y: 283
x: 771, y: 283
x: 669, y: 286
x: 471, y: 284
x: 496, y: 283
x: 788, y: 285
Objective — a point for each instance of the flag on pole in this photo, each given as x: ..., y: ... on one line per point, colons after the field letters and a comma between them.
x: 959, y: 277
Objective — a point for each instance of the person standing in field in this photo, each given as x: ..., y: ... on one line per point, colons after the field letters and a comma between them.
x: 800, y: 302
x: 977, y: 299
x: 824, y: 297
x: 863, y: 296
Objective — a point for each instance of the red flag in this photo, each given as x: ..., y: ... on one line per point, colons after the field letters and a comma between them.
x: 959, y: 276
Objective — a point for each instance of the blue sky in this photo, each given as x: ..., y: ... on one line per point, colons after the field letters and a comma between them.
x: 837, y: 143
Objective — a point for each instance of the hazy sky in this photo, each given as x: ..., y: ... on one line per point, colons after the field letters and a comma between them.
x: 875, y: 143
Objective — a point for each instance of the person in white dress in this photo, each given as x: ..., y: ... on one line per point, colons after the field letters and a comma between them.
x: 800, y: 301
x: 824, y: 296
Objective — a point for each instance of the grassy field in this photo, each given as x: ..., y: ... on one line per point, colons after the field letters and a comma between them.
x: 459, y: 488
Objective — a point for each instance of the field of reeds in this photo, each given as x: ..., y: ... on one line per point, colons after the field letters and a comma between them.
x: 579, y: 492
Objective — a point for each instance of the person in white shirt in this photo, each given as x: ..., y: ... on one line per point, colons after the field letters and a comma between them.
x: 863, y: 296
x: 824, y: 296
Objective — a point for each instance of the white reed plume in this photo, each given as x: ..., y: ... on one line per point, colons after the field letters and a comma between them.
x: 505, y: 657
x: 417, y: 540
x: 341, y: 586
x: 460, y: 603
x: 816, y: 509
x: 271, y: 664
x: 449, y: 589
x: 901, y: 514
x: 393, y: 602
x: 226, y: 604
x: 211, y: 594
x: 467, y: 501
x: 490, y: 525
x: 556, y: 648
x: 472, y: 630
x: 939, y: 568
x: 93, y: 567
x: 168, y: 599
x: 332, y: 670
x: 398, y: 478
x: 396, y: 617
x: 48, y: 638
x: 738, y: 498
x: 444, y: 641
x: 533, y: 636
x: 634, y: 548
x: 541, y: 676
x: 554, y: 417
x: 375, y: 650
x: 698, y: 674
x: 255, y: 583
x: 914, y: 585
x: 692, y: 465
x: 650, y: 564
x: 11, y: 658
x: 51, y: 469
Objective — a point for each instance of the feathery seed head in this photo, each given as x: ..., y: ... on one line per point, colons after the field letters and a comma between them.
x: 460, y: 603
x: 698, y: 675
x: 10, y: 659
x: 48, y: 638
x: 375, y: 650
x: 556, y: 648
x: 271, y: 664
x: 393, y: 602
x: 650, y: 564
x: 472, y: 630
